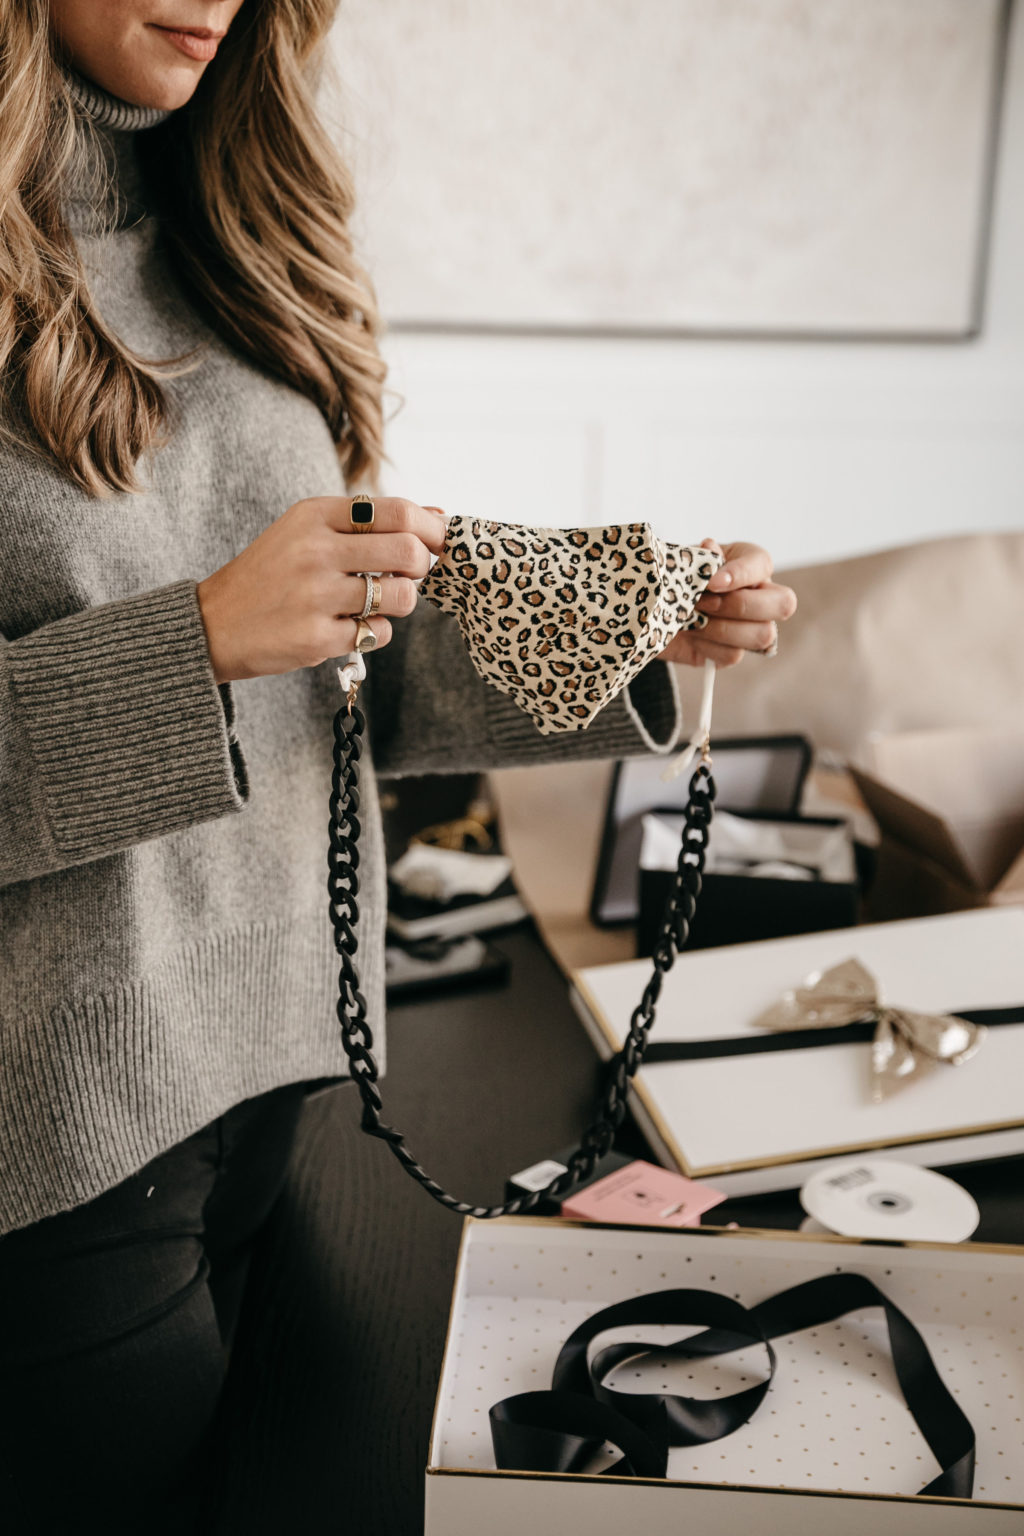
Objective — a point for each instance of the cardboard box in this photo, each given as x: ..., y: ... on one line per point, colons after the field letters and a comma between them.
x: 833, y: 1448
x: 950, y: 808
x: 767, y: 1120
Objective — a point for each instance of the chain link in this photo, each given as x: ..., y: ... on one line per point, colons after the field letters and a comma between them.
x: 357, y: 1036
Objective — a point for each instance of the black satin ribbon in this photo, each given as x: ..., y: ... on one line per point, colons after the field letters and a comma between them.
x: 860, y: 1033
x: 565, y: 1429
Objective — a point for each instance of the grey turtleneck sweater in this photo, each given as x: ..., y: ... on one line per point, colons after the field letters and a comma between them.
x: 164, y: 933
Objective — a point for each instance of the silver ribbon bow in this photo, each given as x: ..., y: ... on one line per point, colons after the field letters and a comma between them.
x: 905, y: 1042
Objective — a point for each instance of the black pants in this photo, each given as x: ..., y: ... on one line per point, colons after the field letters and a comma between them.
x: 116, y: 1320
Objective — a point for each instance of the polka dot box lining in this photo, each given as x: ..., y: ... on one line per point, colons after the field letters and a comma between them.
x: 833, y: 1442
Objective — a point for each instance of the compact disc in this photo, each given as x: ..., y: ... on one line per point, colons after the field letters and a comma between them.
x: 875, y: 1197
x: 817, y: 1227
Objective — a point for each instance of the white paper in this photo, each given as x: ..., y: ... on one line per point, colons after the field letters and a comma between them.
x: 440, y: 874
x: 769, y: 849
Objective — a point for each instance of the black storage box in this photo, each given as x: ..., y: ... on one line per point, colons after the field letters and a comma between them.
x: 751, y: 774
x: 756, y: 778
x: 741, y: 908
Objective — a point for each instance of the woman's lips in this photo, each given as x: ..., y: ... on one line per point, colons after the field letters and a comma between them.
x: 196, y: 45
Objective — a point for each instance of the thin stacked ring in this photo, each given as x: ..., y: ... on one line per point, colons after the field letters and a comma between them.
x: 373, y: 592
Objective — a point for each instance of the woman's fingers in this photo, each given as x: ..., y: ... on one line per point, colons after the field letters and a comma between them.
x: 746, y: 565
x: 743, y: 605
x: 747, y: 619
x: 403, y: 554
x: 737, y: 635
x: 392, y: 515
x: 401, y: 539
x: 344, y: 639
x: 397, y: 595
x: 704, y: 648
x: 770, y: 603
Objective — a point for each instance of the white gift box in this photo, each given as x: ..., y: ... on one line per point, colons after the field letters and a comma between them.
x: 833, y: 1446
x: 768, y: 1120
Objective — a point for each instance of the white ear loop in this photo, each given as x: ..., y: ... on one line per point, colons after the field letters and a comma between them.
x: 701, y: 736
x: 353, y: 672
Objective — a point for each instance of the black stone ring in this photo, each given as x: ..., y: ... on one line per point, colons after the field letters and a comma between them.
x: 361, y: 513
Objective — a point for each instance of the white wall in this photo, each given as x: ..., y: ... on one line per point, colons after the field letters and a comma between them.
x: 765, y: 167
x: 816, y: 449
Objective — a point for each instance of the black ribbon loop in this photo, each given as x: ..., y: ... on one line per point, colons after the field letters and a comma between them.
x: 553, y: 1432
x: 935, y: 1411
x: 860, y: 1033
x: 566, y: 1432
x: 686, y: 1421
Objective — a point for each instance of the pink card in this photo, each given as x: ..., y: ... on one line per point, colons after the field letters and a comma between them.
x: 643, y: 1194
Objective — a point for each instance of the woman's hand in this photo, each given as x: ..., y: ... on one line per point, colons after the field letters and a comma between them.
x: 288, y: 599
x: 744, y: 607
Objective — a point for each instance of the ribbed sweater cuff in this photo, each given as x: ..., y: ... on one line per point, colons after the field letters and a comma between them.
x: 131, y: 735
x: 645, y: 717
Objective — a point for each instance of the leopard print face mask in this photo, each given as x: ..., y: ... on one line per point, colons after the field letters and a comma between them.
x: 561, y: 619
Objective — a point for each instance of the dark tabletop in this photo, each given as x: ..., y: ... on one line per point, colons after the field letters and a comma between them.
x: 334, y: 1373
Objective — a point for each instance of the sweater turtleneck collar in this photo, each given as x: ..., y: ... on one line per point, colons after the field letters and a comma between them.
x: 107, y: 190
x: 108, y: 111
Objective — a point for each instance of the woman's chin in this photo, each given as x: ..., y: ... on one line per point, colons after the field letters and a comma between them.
x: 164, y: 86
x: 173, y: 93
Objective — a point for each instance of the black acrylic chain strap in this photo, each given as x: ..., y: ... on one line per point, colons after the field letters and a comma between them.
x: 357, y: 1036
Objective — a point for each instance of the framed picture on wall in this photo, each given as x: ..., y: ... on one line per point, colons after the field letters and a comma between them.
x: 748, y: 167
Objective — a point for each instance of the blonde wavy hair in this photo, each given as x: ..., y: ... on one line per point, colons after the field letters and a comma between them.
x: 259, y: 204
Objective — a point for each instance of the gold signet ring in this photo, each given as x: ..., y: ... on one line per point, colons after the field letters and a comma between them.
x: 360, y: 513
x: 366, y: 640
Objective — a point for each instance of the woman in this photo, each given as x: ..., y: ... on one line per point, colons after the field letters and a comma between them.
x: 187, y: 347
